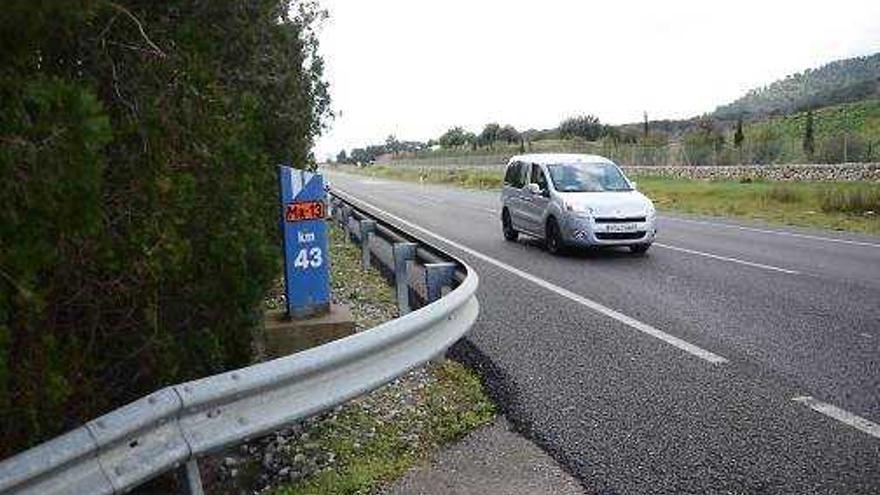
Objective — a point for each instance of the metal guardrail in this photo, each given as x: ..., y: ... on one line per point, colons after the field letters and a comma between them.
x: 176, y: 425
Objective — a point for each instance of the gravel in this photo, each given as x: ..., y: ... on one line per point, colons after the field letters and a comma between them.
x: 301, y: 451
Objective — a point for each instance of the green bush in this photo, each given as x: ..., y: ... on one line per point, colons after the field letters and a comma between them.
x: 138, y: 232
x: 766, y: 145
x: 846, y: 148
x: 850, y: 199
x: 783, y: 194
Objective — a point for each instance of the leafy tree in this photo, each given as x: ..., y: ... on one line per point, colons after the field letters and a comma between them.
x: 490, y: 133
x: 341, y: 157
x: 584, y: 126
x: 392, y: 145
x: 766, y: 145
x: 645, y: 125
x: 702, y: 146
x: 453, y: 138
x: 509, y: 134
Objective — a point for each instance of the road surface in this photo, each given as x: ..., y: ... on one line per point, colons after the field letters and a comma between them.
x: 731, y: 358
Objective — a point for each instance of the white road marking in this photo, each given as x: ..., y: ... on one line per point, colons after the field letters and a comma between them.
x: 841, y: 415
x: 589, y: 303
x: 775, y: 232
x: 374, y: 182
x: 725, y: 258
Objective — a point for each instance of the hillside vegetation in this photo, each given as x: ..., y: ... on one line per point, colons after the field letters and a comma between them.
x: 837, y: 82
x: 768, y: 125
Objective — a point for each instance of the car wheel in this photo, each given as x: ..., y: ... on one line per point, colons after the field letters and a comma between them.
x: 507, y: 226
x: 553, y: 237
x: 639, y: 248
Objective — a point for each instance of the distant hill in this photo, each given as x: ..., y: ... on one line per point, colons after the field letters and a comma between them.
x: 838, y: 82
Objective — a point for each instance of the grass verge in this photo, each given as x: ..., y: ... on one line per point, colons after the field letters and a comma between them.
x: 378, y: 437
x: 845, y: 206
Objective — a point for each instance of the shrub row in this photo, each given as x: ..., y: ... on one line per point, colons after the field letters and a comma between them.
x: 138, y: 231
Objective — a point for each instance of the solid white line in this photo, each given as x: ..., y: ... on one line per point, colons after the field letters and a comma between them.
x: 595, y: 306
x: 725, y: 258
x: 775, y: 232
x: 841, y: 415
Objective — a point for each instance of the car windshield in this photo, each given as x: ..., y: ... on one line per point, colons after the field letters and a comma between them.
x: 587, y: 177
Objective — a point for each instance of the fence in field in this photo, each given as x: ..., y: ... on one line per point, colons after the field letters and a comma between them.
x: 844, y: 148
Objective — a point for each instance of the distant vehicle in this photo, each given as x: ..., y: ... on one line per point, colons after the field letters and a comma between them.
x: 573, y: 200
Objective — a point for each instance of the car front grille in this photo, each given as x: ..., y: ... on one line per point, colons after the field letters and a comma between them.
x: 620, y: 220
x: 619, y: 236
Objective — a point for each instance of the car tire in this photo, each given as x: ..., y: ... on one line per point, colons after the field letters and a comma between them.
x: 639, y: 248
x: 553, y: 237
x: 510, y: 233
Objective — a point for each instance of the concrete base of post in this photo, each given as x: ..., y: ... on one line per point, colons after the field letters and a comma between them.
x: 286, y: 336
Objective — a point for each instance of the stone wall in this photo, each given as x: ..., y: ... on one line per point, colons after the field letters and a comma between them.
x: 812, y: 172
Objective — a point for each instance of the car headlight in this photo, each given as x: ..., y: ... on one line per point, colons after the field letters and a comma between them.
x: 652, y: 212
x: 579, y: 209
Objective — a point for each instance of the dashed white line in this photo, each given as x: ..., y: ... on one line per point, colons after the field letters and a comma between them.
x: 841, y: 415
x: 589, y: 303
x: 775, y: 232
x: 726, y: 258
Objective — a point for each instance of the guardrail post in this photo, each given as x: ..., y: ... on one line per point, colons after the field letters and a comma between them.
x: 346, y: 211
x: 334, y: 207
x: 403, y: 252
x: 437, y: 276
x: 337, y: 211
x: 367, y: 228
x: 193, y: 478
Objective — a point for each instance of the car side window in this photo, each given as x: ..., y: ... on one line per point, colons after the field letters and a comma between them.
x: 538, y: 177
x: 511, y: 178
x: 524, y: 175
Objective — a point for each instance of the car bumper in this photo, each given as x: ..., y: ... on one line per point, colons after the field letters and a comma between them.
x: 583, y: 231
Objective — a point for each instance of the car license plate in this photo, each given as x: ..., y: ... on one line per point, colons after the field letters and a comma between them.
x: 622, y: 227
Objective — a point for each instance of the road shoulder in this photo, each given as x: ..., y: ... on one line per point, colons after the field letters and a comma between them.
x: 491, y: 460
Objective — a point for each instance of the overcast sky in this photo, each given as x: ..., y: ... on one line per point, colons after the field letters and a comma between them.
x: 415, y: 68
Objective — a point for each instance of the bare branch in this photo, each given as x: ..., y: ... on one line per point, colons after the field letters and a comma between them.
x: 140, y: 26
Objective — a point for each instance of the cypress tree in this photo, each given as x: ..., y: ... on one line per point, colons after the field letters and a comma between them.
x: 809, y: 144
x: 738, y: 135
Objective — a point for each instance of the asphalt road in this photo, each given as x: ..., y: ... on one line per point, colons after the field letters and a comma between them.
x: 731, y: 358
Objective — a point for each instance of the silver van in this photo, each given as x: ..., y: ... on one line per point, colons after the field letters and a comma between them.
x: 573, y: 200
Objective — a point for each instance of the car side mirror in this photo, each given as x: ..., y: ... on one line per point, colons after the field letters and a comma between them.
x: 533, y: 188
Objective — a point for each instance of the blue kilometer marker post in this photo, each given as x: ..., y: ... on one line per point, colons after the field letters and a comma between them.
x: 306, y: 261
